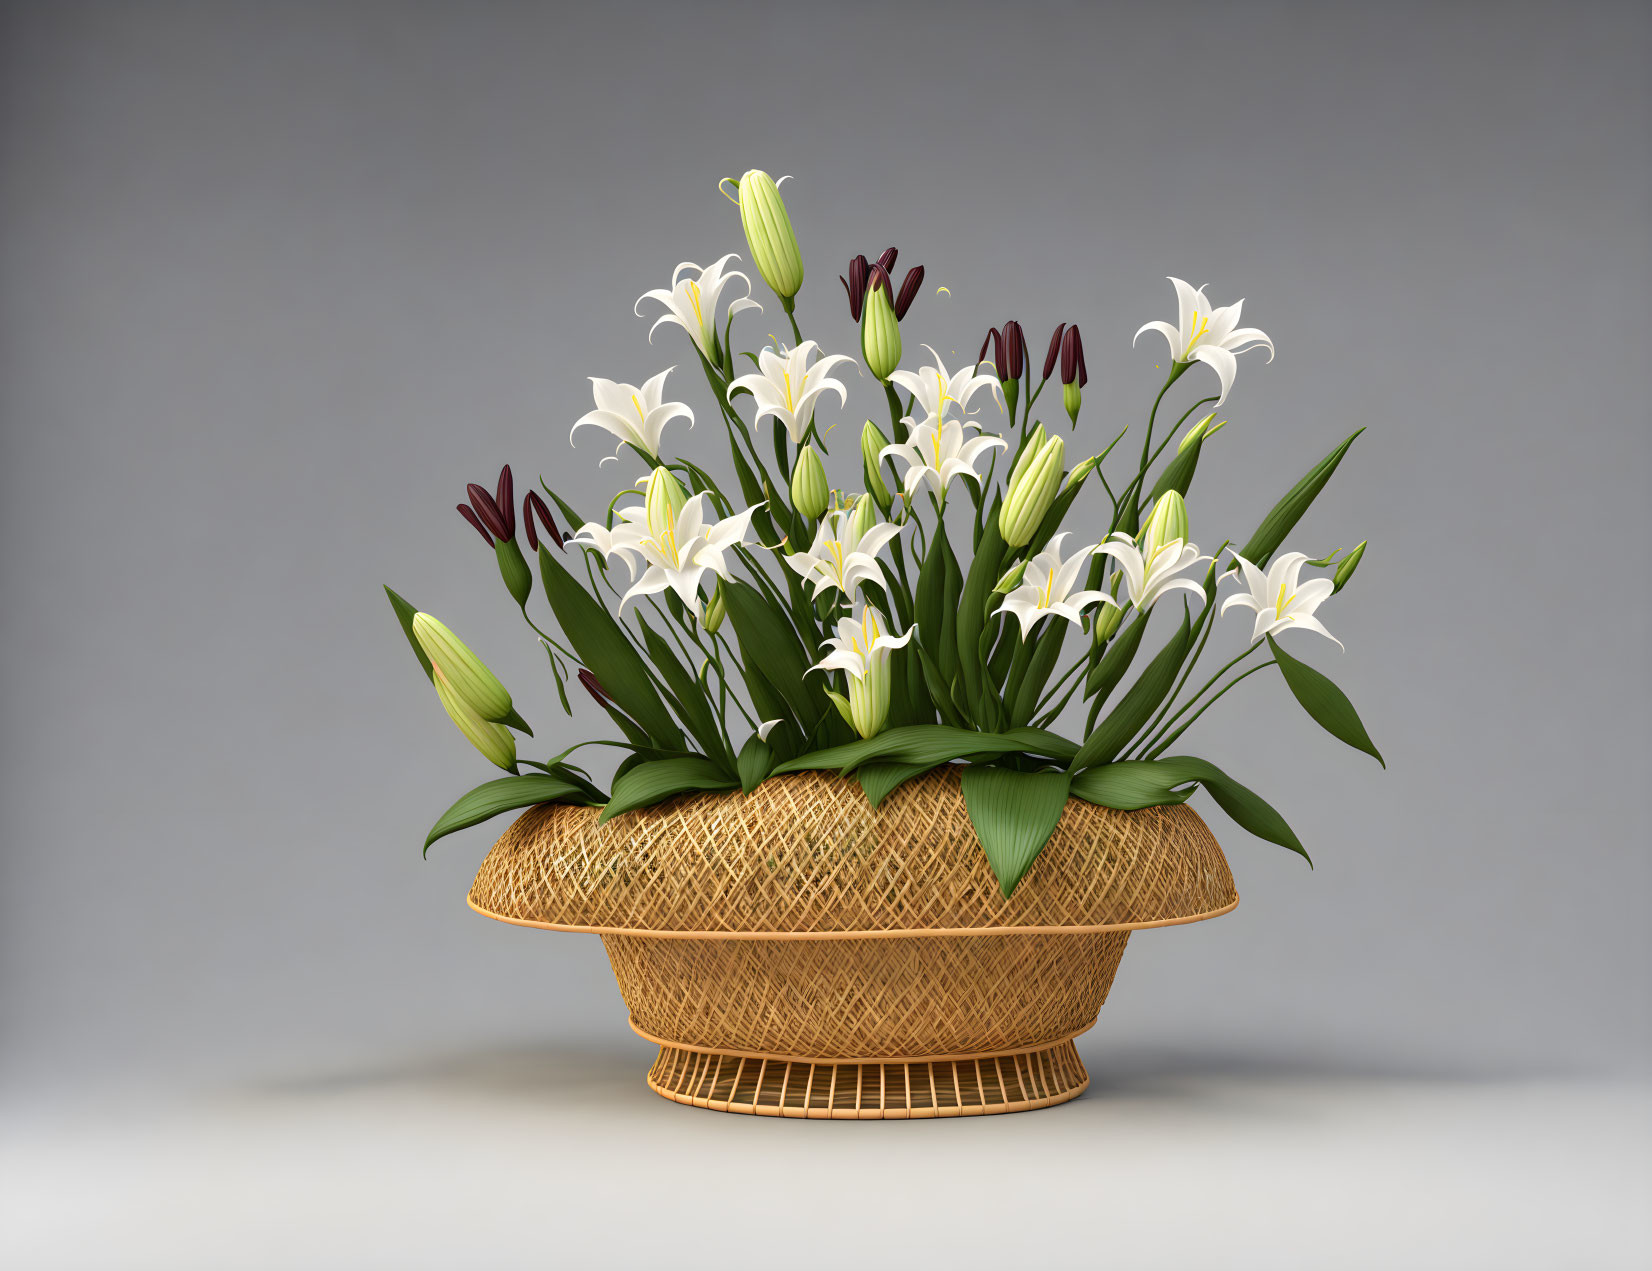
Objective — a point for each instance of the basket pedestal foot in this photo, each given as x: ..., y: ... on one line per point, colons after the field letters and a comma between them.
x: 874, y: 1090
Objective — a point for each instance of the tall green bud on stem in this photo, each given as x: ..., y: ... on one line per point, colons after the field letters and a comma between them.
x: 1166, y: 525
x: 1032, y: 488
x: 872, y: 443
x: 1108, y: 617
x: 716, y: 609
x: 470, y: 693
x: 663, y: 499
x: 1074, y: 376
x: 810, y: 496
x: 864, y: 517
x: 769, y: 234
x: 880, y: 330
x: 1345, y: 571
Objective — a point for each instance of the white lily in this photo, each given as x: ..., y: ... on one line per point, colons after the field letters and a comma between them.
x: 678, y: 551
x: 861, y: 650
x: 691, y: 302
x: 634, y: 414
x: 934, y: 389
x: 936, y: 452
x: 765, y: 728
x: 843, y: 554
x: 1208, y: 334
x: 1047, y: 587
x: 787, y: 387
x: 1147, y: 579
x: 1279, y: 600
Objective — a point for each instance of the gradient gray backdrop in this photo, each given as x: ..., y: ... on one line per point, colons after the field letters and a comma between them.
x: 277, y: 281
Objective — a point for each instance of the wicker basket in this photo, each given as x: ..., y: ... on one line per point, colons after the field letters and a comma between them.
x: 796, y: 953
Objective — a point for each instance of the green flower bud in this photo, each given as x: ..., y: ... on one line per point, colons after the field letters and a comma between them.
x: 769, y: 234
x: 1032, y: 489
x: 880, y: 333
x: 472, y: 684
x: 514, y: 570
x: 864, y: 518
x: 1167, y: 523
x: 495, y: 741
x: 872, y: 443
x: 1345, y: 571
x: 1028, y: 453
x: 810, y: 495
x: 1108, y: 618
x: 1196, y: 432
x: 1011, y: 580
x: 1071, y: 397
x: 1084, y: 469
x: 716, y: 609
x: 663, y: 500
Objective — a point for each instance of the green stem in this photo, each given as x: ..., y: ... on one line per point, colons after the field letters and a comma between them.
x: 1186, y: 706
x: 1171, y: 740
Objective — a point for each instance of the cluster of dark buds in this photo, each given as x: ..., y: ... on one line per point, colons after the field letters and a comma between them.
x: 493, y: 516
x: 1009, y: 361
x: 863, y: 276
x: 1074, y: 374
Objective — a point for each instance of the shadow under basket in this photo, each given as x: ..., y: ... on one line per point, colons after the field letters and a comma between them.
x: 794, y: 952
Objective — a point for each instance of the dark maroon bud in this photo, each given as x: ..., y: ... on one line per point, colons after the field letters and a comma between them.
x: 505, y: 497
x: 1015, y: 349
x: 1069, y: 355
x: 593, y: 688
x: 488, y: 510
x: 464, y: 511
x: 909, y: 291
x: 855, y: 285
x: 546, y: 519
x: 887, y: 260
x: 1055, y: 350
x: 878, y: 276
x: 1083, y: 371
x: 528, y: 526
x: 998, y: 354
x: 992, y: 334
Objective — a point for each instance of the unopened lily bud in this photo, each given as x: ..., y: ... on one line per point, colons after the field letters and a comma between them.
x: 1072, y: 397
x: 514, y: 569
x: 1055, y: 350
x: 863, y: 517
x: 888, y: 258
x: 1015, y: 351
x: 880, y: 330
x: 1167, y: 524
x: 872, y: 443
x: 495, y: 741
x: 810, y: 495
x: 469, y: 514
x: 1031, y: 492
x: 451, y: 660
x: 1195, y: 432
x: 490, y: 512
x: 663, y: 499
x: 1029, y: 452
x: 855, y: 285
x: 909, y: 290
x: 1108, y: 618
x: 986, y: 343
x: 534, y: 507
x: 1072, y: 358
x: 1345, y: 571
x: 769, y: 234
x: 1084, y: 469
x: 716, y: 609
x: 1011, y: 580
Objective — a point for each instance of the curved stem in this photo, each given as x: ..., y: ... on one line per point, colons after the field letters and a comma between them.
x: 1171, y: 740
x: 1196, y: 696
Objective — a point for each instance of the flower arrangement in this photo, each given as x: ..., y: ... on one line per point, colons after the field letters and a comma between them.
x: 755, y: 621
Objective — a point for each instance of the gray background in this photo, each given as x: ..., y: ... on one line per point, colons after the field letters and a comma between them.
x: 276, y: 281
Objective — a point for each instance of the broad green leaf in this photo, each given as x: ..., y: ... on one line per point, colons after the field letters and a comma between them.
x: 1131, y: 785
x: 929, y: 601
x: 972, y: 607
x: 1039, y: 668
x: 404, y: 615
x: 1136, y: 707
x: 687, y: 693
x: 931, y: 744
x: 880, y: 780
x: 1178, y: 473
x: 768, y: 643
x: 755, y: 761
x: 493, y: 797
x: 1288, y: 511
x: 1101, y: 681
x: 607, y: 652
x: 1245, y: 806
x: 648, y: 783
x: 1014, y: 814
x: 1325, y: 702
x: 940, y: 694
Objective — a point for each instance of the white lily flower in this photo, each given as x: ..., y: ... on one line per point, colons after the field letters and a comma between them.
x: 787, y: 387
x: 691, y: 303
x: 678, y: 551
x: 1047, y: 587
x: 1146, y: 579
x: 934, y: 389
x: 1279, y: 600
x: 633, y: 414
x: 765, y: 728
x: 861, y: 650
x: 1205, y: 333
x: 843, y: 555
x: 936, y: 452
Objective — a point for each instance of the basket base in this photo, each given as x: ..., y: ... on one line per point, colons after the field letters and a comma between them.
x: 900, y: 1090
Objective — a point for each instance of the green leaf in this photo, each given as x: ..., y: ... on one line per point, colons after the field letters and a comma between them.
x: 1244, y: 805
x: 930, y: 600
x: 1136, y: 707
x: 1038, y: 673
x: 1131, y: 784
x: 756, y: 758
x: 493, y: 797
x: 1178, y: 473
x: 1288, y: 511
x: 687, y: 693
x: 940, y: 695
x: 1116, y: 661
x: 931, y: 744
x: 880, y: 780
x: 404, y: 615
x: 648, y: 783
x: 972, y: 608
x: 1325, y: 702
x: 1014, y: 814
x: 770, y: 645
x: 607, y: 652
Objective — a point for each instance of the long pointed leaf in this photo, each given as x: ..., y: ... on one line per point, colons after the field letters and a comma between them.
x: 932, y: 744
x: 404, y: 615
x: 768, y: 643
x: 1014, y: 814
x: 493, y: 797
x: 880, y: 780
x: 1325, y: 703
x: 648, y: 783
x: 1136, y: 707
x: 688, y: 695
x: 1288, y: 511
